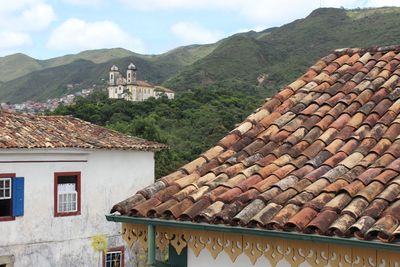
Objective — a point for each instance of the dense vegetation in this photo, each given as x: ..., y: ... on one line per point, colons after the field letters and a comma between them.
x: 190, y: 124
x: 279, y: 54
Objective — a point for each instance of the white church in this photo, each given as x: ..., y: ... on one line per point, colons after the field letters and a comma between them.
x: 129, y: 88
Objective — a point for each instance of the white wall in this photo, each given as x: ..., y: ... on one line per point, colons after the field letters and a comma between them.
x: 107, y: 177
x: 111, y: 92
x: 223, y: 260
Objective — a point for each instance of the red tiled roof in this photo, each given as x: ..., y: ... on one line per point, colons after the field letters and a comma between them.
x: 143, y: 83
x: 322, y: 156
x: 163, y: 89
x: 32, y: 131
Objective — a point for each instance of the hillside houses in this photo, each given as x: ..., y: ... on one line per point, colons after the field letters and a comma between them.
x: 32, y: 106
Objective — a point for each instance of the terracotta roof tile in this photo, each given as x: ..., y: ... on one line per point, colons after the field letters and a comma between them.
x: 195, y: 209
x: 207, y: 214
x: 322, y: 156
x: 265, y: 215
x: 340, y: 226
x: 359, y: 228
x: 321, y: 222
x: 356, y: 207
x: 36, y: 131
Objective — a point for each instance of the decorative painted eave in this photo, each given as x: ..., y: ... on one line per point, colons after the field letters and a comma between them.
x: 294, y: 247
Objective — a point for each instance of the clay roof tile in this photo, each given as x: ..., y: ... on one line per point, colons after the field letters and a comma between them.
x: 321, y: 156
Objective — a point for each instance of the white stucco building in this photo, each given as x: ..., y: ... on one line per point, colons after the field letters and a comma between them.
x: 58, y: 177
x: 129, y: 88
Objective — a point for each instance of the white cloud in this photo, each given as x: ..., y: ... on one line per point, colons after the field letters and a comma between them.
x: 83, y: 2
x: 76, y: 35
x: 377, y: 3
x: 27, y: 16
x: 254, y: 10
x: 16, y: 5
x: 18, y: 19
x: 193, y: 33
x: 266, y: 12
x: 36, y: 18
x: 13, y: 42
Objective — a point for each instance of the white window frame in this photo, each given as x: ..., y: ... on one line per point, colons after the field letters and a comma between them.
x: 67, y: 201
x: 68, y: 192
x: 3, y: 189
x: 113, y: 260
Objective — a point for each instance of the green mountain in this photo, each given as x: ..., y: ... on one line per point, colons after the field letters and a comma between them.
x: 95, y: 56
x: 234, y: 62
x: 52, y: 82
x: 281, y: 54
x: 249, y: 62
x: 17, y: 65
x: 50, y: 77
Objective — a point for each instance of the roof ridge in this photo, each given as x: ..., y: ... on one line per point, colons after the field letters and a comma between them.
x: 42, y: 131
x: 372, y: 49
x: 5, y: 112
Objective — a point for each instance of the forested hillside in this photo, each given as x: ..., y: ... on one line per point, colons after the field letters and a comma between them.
x: 190, y: 123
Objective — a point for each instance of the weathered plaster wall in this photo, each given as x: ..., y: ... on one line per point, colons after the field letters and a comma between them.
x: 106, y: 178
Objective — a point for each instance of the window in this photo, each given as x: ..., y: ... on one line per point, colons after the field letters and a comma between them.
x: 5, y: 188
x: 67, y: 193
x: 129, y: 75
x: 114, y: 257
x: 7, y: 261
x: 5, y: 197
x: 11, y: 196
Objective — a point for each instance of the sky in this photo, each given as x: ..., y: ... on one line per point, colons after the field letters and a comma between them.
x: 48, y: 28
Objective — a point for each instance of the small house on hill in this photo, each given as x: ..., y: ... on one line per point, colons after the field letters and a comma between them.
x: 311, y: 178
x: 58, y: 176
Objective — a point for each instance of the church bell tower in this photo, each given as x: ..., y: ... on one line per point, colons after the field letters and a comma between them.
x: 131, y: 74
x: 113, y: 75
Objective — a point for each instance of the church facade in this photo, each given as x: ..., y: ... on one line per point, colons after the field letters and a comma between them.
x: 129, y: 88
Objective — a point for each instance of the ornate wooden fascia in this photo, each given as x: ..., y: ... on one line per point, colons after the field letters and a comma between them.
x: 273, y: 249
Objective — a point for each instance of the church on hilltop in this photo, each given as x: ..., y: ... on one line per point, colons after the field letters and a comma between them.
x: 129, y: 88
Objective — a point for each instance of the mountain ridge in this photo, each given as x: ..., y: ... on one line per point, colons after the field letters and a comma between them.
x: 277, y: 55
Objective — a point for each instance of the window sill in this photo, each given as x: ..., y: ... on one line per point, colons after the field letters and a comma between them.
x: 66, y: 214
x: 7, y: 218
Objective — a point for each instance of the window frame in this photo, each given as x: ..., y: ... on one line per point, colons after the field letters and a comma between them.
x: 9, y: 188
x: 115, y: 249
x: 8, y: 218
x: 78, y: 190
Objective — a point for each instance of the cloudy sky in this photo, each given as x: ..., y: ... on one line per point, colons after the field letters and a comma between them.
x: 49, y: 28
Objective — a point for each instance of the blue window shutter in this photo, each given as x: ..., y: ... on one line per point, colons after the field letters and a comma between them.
x: 18, y: 196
